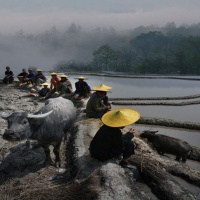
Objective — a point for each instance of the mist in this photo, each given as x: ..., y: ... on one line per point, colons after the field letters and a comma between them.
x: 47, y: 49
x: 44, y: 50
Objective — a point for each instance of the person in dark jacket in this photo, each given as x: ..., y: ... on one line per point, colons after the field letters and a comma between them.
x: 43, y: 92
x: 64, y: 88
x: 109, y: 142
x: 82, y: 89
x: 22, y: 76
x: 9, y: 76
x: 98, y: 104
x: 39, y: 77
x: 30, y: 77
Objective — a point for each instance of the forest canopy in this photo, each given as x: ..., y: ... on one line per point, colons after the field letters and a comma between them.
x: 143, y: 50
x: 150, y: 50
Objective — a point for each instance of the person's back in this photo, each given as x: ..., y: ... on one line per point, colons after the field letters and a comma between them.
x: 109, y: 142
x: 82, y: 89
x: 94, y: 105
x: 106, y: 144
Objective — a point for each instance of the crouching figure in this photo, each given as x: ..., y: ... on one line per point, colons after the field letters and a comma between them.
x: 109, y: 142
x: 166, y: 144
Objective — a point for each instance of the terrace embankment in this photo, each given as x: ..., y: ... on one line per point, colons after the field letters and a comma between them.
x: 81, y: 177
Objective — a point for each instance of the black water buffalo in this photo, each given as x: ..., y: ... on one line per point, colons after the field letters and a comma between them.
x: 165, y: 144
x: 47, y: 126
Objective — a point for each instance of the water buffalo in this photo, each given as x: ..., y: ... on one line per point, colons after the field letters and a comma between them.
x: 47, y: 126
x: 165, y: 144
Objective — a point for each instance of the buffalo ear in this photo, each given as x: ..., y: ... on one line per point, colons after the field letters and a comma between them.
x: 5, y: 115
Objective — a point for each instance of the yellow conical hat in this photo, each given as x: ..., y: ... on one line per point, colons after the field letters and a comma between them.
x: 102, y: 87
x: 120, y: 117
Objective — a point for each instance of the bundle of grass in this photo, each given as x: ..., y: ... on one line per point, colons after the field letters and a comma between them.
x: 41, y: 190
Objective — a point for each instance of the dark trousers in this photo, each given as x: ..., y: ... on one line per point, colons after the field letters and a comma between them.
x: 128, y: 145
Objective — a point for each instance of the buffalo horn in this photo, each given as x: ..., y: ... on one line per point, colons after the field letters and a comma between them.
x: 40, y: 115
x: 5, y: 115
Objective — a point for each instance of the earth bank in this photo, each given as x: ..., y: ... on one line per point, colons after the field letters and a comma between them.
x: 22, y: 176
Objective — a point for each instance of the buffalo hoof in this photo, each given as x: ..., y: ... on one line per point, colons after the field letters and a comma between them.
x: 58, y: 164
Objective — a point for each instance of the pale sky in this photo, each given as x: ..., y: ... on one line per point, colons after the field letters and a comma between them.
x: 38, y: 15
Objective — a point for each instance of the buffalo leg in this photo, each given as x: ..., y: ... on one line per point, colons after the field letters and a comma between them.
x: 47, y: 154
x: 56, y: 152
x: 183, y: 158
x: 178, y: 157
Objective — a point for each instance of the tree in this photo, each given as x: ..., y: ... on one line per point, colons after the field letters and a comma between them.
x: 104, y: 56
x: 150, y: 51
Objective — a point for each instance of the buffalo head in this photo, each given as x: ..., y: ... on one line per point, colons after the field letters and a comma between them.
x: 20, y: 123
x: 148, y: 134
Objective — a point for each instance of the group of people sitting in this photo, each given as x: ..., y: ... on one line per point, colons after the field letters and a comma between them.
x: 109, y: 141
x: 59, y: 85
x: 24, y: 77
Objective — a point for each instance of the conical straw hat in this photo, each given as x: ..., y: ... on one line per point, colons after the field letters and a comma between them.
x: 44, y: 84
x: 63, y: 76
x: 81, y: 77
x: 53, y: 73
x: 102, y: 87
x: 120, y: 117
x: 39, y: 70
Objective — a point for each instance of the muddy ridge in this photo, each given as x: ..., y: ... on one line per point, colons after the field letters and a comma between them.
x: 80, y: 177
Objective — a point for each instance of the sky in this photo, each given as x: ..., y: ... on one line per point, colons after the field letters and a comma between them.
x: 38, y: 15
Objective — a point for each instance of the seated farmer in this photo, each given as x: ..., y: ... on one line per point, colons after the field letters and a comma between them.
x: 43, y: 92
x: 82, y: 88
x: 53, y: 85
x: 39, y: 77
x: 22, y: 76
x: 105, y: 99
x: 95, y: 107
x: 109, y: 142
x: 64, y: 88
x: 9, y: 76
x: 30, y: 77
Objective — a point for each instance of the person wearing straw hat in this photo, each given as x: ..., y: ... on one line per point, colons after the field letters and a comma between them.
x: 82, y: 89
x: 39, y: 77
x: 64, y: 88
x: 53, y: 86
x: 109, y: 141
x: 95, y: 107
x: 43, y: 92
